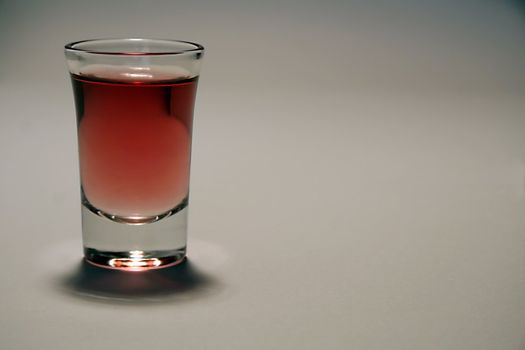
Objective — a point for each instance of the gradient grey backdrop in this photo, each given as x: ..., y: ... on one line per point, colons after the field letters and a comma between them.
x: 357, y: 180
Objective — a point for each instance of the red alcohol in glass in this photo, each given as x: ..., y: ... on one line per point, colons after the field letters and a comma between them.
x: 134, y: 133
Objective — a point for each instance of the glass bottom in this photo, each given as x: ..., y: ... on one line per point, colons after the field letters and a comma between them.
x: 135, y: 260
x: 131, y: 246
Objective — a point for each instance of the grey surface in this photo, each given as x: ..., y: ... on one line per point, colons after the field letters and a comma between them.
x: 358, y: 180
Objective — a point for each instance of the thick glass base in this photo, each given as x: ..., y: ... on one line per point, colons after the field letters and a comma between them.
x: 135, y: 260
x: 128, y: 245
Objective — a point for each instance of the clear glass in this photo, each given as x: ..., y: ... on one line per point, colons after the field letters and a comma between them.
x: 134, y: 102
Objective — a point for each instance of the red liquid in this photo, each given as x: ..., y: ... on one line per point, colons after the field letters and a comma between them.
x: 134, y: 143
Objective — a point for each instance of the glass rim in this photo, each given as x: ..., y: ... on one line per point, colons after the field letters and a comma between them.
x: 196, y: 47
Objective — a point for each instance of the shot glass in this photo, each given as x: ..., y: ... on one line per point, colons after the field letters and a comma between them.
x: 134, y: 103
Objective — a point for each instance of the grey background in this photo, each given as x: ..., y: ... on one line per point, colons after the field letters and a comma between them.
x: 357, y: 179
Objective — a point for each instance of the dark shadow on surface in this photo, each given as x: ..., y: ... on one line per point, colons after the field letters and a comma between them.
x: 182, y: 282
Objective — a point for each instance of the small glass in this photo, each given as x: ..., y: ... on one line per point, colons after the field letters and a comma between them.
x: 134, y: 103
